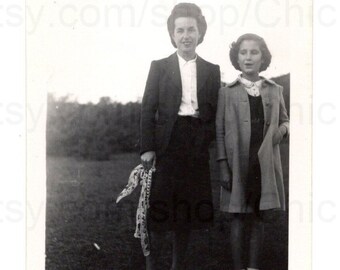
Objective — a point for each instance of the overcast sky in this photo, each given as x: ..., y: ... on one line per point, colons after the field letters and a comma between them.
x: 89, y: 50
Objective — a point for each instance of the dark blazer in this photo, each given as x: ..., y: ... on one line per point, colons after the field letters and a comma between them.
x: 162, y: 99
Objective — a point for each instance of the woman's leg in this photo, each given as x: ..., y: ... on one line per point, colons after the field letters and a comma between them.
x: 150, y: 265
x: 255, y: 241
x: 156, y: 242
x: 179, y: 248
x: 237, y: 240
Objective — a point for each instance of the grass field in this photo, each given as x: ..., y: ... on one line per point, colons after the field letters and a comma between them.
x: 86, y: 230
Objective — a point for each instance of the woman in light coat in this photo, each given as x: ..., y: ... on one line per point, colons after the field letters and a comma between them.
x: 251, y: 121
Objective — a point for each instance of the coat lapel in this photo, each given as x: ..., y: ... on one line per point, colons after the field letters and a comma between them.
x: 264, y: 91
x: 245, y: 125
x: 243, y: 103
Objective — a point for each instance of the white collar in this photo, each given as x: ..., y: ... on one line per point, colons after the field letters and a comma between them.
x: 253, y: 88
x: 182, y: 61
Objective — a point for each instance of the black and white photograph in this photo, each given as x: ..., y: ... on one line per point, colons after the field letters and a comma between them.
x: 165, y: 135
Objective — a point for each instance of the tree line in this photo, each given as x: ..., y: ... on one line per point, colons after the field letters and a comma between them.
x: 91, y: 131
x: 99, y: 131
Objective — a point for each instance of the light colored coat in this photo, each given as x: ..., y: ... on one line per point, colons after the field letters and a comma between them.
x: 233, y: 131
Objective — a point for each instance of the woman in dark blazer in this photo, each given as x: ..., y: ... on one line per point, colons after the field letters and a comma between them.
x: 177, y: 126
x: 251, y: 121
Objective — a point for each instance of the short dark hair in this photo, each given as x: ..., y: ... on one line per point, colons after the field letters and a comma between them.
x: 187, y: 10
x: 235, y: 47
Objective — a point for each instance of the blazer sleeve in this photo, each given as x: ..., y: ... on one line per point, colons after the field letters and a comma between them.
x: 216, y: 85
x: 220, y: 126
x: 283, y: 117
x: 148, y: 110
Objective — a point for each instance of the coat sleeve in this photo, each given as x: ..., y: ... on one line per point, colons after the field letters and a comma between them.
x: 283, y: 117
x: 149, y: 109
x: 220, y: 126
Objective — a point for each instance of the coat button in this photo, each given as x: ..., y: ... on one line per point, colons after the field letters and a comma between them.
x: 267, y: 123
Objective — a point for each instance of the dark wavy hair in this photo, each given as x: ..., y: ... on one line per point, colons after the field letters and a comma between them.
x: 187, y: 10
x: 235, y: 47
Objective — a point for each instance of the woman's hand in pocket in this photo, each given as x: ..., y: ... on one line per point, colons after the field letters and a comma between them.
x: 279, y: 134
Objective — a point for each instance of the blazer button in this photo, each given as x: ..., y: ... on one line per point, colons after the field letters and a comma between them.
x: 267, y: 123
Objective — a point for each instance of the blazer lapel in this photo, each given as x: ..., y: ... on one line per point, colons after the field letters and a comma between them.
x: 202, y: 73
x: 173, y: 71
x: 175, y: 75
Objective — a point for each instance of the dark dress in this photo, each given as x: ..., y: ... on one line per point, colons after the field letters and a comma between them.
x: 256, y: 138
x: 181, y: 190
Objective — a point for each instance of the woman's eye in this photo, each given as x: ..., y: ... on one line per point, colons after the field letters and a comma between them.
x: 255, y: 52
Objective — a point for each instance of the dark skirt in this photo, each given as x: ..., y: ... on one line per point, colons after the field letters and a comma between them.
x: 253, y: 186
x: 181, y: 190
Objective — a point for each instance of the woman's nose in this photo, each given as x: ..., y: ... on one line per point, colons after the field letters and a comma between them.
x: 248, y: 55
x: 185, y: 34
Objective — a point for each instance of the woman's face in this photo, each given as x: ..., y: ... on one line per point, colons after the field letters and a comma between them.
x: 250, y: 58
x: 186, y: 35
